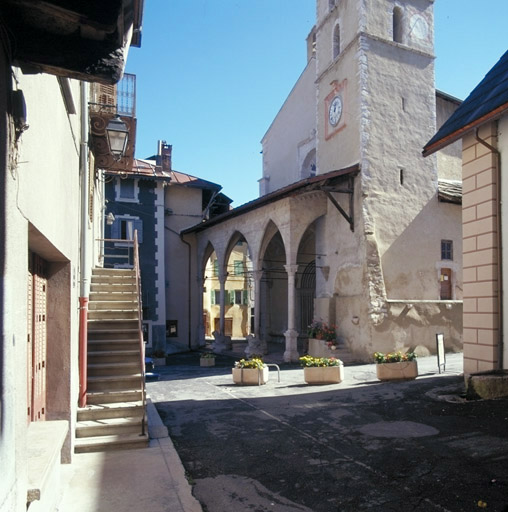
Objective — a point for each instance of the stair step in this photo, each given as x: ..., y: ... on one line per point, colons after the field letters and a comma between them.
x: 113, y: 305
x: 112, y: 356
x: 114, y: 296
x: 111, y: 410
x: 112, y: 345
x: 97, y: 369
x: 108, y: 426
x: 110, y: 442
x: 101, y: 271
x: 113, y: 314
x: 111, y: 397
x: 114, y: 382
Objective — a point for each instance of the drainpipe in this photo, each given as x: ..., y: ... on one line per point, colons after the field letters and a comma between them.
x: 84, y: 257
x: 499, y: 248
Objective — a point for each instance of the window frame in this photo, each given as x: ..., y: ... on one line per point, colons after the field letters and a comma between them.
x: 447, y: 250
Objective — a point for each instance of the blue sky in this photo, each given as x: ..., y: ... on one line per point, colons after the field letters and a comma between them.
x: 212, y: 75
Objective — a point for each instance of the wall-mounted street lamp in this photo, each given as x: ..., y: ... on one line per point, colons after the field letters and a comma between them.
x: 118, y: 136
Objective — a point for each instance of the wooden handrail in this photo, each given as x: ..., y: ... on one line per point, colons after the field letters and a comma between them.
x: 140, y: 329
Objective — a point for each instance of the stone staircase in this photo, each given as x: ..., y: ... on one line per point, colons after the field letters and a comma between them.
x: 113, y: 416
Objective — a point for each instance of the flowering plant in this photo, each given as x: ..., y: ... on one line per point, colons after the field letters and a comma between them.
x: 309, y: 361
x: 394, y: 357
x: 321, y: 331
x: 255, y: 362
x: 207, y: 355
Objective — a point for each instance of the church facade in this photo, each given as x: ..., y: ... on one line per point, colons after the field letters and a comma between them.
x: 353, y: 226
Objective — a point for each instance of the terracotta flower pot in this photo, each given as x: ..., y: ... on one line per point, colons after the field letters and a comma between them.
x: 402, y: 370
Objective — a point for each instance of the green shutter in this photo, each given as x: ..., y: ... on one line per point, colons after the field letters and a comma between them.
x: 245, y: 297
x: 212, y: 296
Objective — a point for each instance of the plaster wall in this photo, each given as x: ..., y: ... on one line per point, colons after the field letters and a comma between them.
x: 291, y: 136
x: 339, y: 148
x: 449, y: 159
x: 186, y: 205
x: 41, y: 194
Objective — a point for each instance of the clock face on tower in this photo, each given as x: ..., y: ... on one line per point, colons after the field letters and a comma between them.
x: 335, y: 111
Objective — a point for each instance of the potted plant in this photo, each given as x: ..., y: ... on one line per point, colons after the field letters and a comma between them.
x: 207, y: 359
x: 396, y: 366
x: 159, y: 358
x: 322, y: 370
x: 322, y: 339
x: 250, y: 372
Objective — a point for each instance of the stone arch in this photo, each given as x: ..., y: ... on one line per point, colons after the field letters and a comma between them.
x: 239, y: 286
x: 273, y: 286
x: 309, y: 164
x: 306, y: 278
x: 211, y: 289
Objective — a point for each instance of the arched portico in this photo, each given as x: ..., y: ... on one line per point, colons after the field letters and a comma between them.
x: 276, y: 237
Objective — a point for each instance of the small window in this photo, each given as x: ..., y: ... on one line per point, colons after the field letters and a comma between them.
x: 336, y: 41
x: 238, y: 267
x: 331, y: 4
x: 127, y: 189
x: 215, y: 296
x: 215, y: 268
x: 397, y: 24
x: 123, y: 228
x: 446, y: 249
x: 238, y: 296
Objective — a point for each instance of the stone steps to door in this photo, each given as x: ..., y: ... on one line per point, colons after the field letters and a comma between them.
x: 115, y: 396
x: 110, y: 442
x: 98, y: 369
x: 111, y: 410
x: 114, y: 383
x: 108, y: 426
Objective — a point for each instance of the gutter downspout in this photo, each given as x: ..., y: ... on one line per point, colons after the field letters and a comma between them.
x: 499, y: 241
x: 84, y: 257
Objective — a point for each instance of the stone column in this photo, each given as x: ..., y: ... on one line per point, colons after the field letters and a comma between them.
x: 257, y: 274
x: 291, y: 354
x: 222, y: 323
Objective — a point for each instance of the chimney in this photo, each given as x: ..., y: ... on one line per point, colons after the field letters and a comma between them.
x: 164, y: 155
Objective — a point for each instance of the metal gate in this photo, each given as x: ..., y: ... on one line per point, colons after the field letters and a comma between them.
x: 37, y: 338
x: 306, y: 295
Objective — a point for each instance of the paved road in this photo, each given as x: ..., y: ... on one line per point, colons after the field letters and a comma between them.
x: 359, y: 445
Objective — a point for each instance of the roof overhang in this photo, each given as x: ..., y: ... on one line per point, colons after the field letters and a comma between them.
x: 307, y: 185
x: 85, y: 40
x: 468, y: 128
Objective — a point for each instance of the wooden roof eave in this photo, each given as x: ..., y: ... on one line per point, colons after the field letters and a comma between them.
x: 458, y: 134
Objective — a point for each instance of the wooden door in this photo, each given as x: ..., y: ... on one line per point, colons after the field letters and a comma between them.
x: 446, y: 283
x: 37, y: 339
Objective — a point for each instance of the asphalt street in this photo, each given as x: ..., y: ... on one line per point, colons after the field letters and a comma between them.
x: 358, y: 445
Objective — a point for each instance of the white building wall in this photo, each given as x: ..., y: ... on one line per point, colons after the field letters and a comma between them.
x: 41, y: 214
x: 291, y: 136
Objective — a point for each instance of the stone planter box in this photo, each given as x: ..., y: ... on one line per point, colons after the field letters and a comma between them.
x: 319, y: 348
x: 250, y: 376
x: 324, y: 374
x: 403, y: 370
x: 207, y: 361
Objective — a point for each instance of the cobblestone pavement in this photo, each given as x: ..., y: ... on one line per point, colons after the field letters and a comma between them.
x: 358, y: 445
